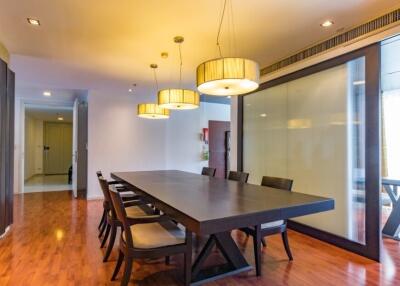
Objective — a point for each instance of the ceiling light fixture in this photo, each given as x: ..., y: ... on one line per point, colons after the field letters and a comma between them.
x: 130, y: 90
x: 327, y: 23
x: 47, y: 93
x: 33, y: 22
x: 178, y: 98
x: 152, y: 110
x: 227, y: 75
x: 59, y: 117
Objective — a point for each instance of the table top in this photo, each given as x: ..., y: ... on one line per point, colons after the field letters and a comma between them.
x: 209, y: 205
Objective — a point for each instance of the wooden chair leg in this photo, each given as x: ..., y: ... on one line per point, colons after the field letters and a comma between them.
x: 102, y: 220
x: 103, y: 243
x: 118, y: 265
x: 110, y: 243
x: 257, y: 249
x: 188, y: 259
x: 127, y: 271
x: 286, y: 244
x: 103, y: 228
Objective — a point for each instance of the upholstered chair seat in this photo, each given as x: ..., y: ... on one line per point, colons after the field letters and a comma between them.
x: 154, y: 235
x: 272, y: 224
x: 133, y: 211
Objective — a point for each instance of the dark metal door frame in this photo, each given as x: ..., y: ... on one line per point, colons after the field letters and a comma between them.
x: 372, y: 246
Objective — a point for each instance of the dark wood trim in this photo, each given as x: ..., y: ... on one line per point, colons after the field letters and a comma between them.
x: 82, y: 156
x: 10, y: 146
x: 240, y: 134
x: 7, y: 87
x: 331, y: 238
x: 372, y: 149
x: 3, y: 135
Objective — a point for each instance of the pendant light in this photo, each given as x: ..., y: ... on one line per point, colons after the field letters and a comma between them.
x: 178, y: 98
x: 226, y: 76
x: 152, y: 110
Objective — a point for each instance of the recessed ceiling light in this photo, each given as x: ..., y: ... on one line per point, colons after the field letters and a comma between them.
x: 228, y: 96
x: 34, y: 22
x: 47, y: 93
x: 263, y: 115
x: 327, y: 23
x: 130, y: 90
x: 164, y: 55
x: 60, y: 118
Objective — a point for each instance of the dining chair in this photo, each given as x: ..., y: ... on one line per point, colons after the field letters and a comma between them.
x: 126, y: 194
x: 258, y: 232
x: 150, y: 236
x: 207, y: 171
x: 133, y: 208
x: 238, y: 176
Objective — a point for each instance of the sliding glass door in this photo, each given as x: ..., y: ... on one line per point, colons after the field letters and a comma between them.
x: 312, y: 127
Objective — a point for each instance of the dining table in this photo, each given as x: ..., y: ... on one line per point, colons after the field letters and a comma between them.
x: 213, y: 207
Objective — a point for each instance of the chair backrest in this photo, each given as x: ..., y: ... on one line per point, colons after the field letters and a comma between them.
x: 105, y: 188
x: 118, y: 206
x: 277, y: 183
x: 99, y: 174
x: 238, y: 176
x: 207, y: 171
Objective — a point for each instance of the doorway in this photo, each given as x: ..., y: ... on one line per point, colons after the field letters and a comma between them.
x: 390, y: 99
x: 48, y: 148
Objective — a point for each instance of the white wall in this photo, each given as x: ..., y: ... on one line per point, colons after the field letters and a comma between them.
x: 120, y: 141
x: 234, y: 125
x: 33, y: 147
x: 19, y: 127
x: 184, y: 145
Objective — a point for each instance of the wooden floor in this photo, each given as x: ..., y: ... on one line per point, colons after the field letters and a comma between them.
x: 54, y: 242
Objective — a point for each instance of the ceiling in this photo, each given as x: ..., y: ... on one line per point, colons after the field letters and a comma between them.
x: 49, y: 113
x: 34, y: 94
x: 109, y: 44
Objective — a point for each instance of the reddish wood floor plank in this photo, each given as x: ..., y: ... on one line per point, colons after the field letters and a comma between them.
x: 54, y: 242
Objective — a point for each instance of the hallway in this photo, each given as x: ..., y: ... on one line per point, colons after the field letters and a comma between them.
x: 50, y: 183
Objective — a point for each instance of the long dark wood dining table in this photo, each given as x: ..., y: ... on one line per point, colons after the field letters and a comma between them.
x: 215, y: 207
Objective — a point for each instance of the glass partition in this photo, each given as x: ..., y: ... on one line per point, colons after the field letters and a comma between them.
x: 312, y: 130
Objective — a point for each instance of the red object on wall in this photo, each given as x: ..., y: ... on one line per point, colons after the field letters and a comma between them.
x: 205, y: 135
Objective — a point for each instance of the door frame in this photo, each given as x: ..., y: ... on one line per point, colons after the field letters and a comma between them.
x: 19, y: 153
x: 373, y: 234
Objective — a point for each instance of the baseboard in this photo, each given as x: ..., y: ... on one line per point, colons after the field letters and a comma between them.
x: 5, y: 232
x: 331, y: 238
x: 94, y: 198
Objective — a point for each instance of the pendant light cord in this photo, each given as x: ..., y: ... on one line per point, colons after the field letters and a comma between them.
x: 219, y: 28
x: 180, y: 66
x: 155, y: 79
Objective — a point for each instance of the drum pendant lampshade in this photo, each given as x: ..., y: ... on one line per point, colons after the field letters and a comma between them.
x: 152, y: 111
x: 177, y: 98
x: 227, y: 76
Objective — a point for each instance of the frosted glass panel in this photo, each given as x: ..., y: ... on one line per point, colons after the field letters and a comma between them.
x: 311, y: 130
